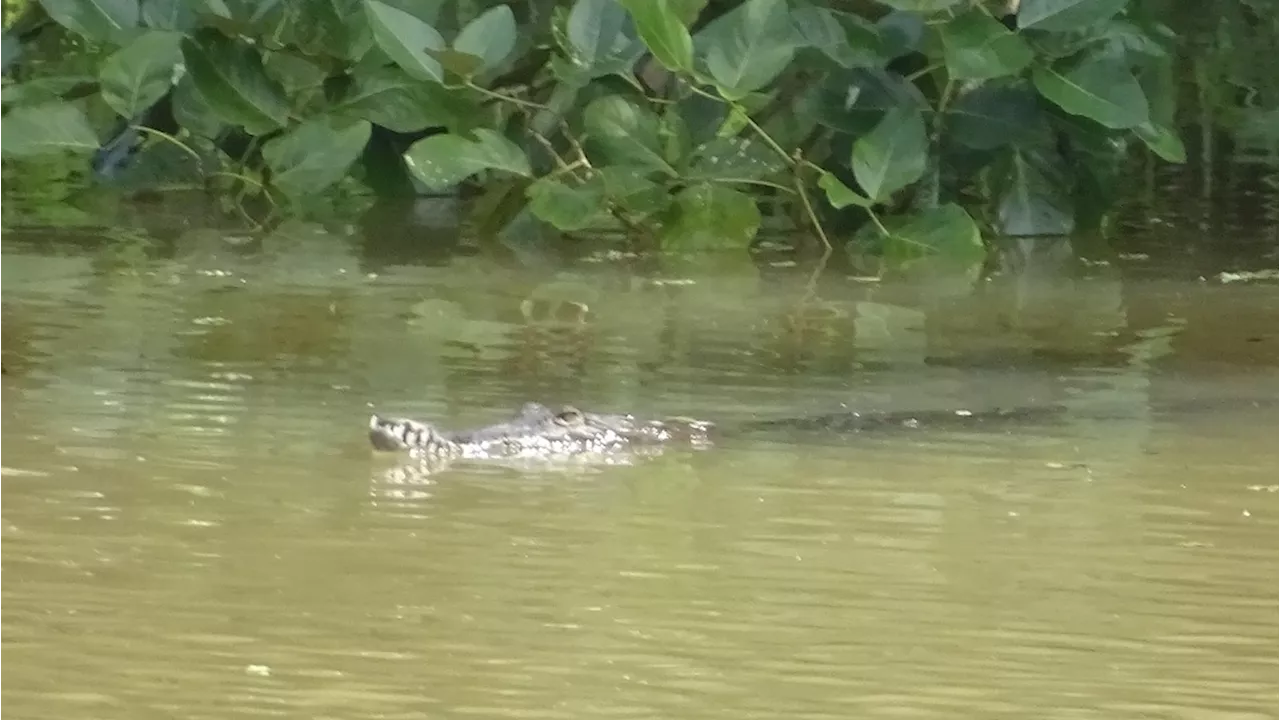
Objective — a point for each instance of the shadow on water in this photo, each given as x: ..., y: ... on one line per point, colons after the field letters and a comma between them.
x: 194, y: 525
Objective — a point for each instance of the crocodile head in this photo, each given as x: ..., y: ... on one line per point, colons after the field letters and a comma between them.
x: 535, y: 431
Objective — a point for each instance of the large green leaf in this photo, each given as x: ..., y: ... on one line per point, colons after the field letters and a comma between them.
x: 707, y: 217
x: 103, y: 21
x: 407, y: 39
x: 389, y: 97
x: 733, y: 159
x: 626, y: 134
x: 854, y: 101
x: 298, y: 75
x: 1162, y: 141
x: 567, y: 208
x: 603, y: 37
x: 749, y: 46
x: 634, y: 192
x: 169, y: 15
x: 893, y: 155
x: 1101, y: 89
x: 845, y: 38
x: 441, y: 161
x: 993, y: 116
x: 230, y: 77
x: 193, y: 112
x: 1066, y: 15
x: 139, y: 74
x: 977, y: 47
x: 217, y: 10
x: 48, y: 88
x: 315, y: 155
x: 1035, y: 198
x: 490, y: 37
x: 900, y: 33
x: 946, y: 230
x: 663, y: 32
x: 840, y: 195
x: 47, y: 128
x: 10, y: 51
x: 923, y: 7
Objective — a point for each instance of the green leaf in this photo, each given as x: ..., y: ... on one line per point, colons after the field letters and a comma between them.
x: 855, y: 101
x: 139, y: 74
x: 634, y: 192
x: 295, y: 73
x: 663, y: 32
x: 924, y: 7
x: 977, y: 47
x: 749, y: 46
x: 1162, y: 141
x: 1066, y: 15
x: 10, y: 51
x: 406, y: 39
x: 900, y: 33
x: 993, y: 116
x: 893, y: 155
x: 840, y: 195
x: 315, y: 155
x: 441, y: 161
x: 733, y: 159
x: 47, y: 128
x: 625, y: 133
x: 1101, y: 89
x: 567, y: 208
x: 847, y: 39
x: 603, y: 37
x: 1036, y: 198
x: 389, y: 97
x: 490, y: 37
x: 946, y: 230
x: 169, y: 15
x: 230, y: 77
x: 193, y: 112
x: 707, y: 217
x: 42, y: 89
x: 103, y: 21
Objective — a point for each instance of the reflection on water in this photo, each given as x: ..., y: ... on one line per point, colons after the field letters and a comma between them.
x: 193, y: 525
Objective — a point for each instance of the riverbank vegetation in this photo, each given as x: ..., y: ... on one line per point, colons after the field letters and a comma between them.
x: 899, y: 127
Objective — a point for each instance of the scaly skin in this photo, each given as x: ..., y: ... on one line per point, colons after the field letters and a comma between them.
x: 534, y: 432
x: 571, y: 437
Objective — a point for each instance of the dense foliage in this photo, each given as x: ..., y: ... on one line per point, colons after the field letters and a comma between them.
x: 908, y: 126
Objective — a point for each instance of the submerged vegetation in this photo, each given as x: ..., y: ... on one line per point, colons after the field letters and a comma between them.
x: 905, y: 127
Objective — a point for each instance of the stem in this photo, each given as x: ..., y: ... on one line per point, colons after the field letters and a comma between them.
x: 499, y: 96
x: 577, y: 147
x: 879, y: 225
x: 563, y: 167
x: 751, y: 123
x: 923, y: 71
x: 243, y: 178
x: 813, y: 216
x: 751, y: 181
x: 152, y: 131
x: 569, y: 168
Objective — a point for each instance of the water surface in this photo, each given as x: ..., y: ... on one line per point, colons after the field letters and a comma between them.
x: 194, y: 527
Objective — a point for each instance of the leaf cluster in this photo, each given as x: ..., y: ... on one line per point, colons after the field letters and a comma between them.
x: 912, y: 126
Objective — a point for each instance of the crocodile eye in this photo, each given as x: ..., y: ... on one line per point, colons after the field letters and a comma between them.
x: 569, y: 416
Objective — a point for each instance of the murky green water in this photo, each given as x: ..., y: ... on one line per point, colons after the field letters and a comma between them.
x: 194, y: 526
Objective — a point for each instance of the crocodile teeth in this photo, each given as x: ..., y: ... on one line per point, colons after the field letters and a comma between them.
x: 399, y: 434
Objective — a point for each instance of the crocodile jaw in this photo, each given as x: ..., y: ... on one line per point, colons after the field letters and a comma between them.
x: 392, y: 434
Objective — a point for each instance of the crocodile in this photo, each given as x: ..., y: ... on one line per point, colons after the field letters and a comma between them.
x: 537, y: 432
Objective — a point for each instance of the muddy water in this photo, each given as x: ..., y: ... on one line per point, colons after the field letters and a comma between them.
x: 194, y: 527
